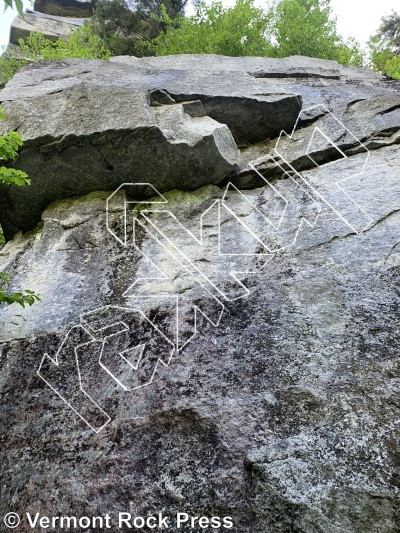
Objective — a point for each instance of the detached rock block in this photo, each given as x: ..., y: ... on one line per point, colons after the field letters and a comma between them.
x: 51, y: 29
x: 65, y: 8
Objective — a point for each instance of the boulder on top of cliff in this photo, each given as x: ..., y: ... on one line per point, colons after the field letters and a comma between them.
x: 51, y: 28
x: 65, y: 8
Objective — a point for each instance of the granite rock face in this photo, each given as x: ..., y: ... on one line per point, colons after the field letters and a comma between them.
x: 229, y: 348
x: 92, y: 125
x: 50, y: 28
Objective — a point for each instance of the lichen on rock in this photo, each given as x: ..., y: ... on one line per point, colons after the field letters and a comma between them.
x: 236, y: 335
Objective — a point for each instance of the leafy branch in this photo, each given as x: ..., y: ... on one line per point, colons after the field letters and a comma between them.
x: 18, y: 4
x: 22, y: 298
x: 9, y: 145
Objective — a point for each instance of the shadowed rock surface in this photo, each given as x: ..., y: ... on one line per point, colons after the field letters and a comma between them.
x: 86, y: 125
x: 281, y: 407
x: 65, y: 8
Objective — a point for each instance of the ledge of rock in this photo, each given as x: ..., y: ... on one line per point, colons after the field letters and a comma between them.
x: 65, y: 8
x: 92, y: 125
x: 109, y: 119
x: 259, y: 67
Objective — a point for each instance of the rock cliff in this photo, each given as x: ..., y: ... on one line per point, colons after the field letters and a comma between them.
x: 216, y: 244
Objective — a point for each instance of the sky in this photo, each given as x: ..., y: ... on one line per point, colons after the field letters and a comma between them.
x: 361, y: 19
x: 355, y: 18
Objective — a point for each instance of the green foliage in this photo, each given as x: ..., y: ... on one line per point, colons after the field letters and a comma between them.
x: 384, y: 47
x: 392, y: 67
x: 380, y: 53
x: 9, y: 145
x: 22, y: 298
x: 288, y: 27
x: 127, y: 31
x: 9, y: 66
x: 117, y: 26
x: 214, y: 29
x: 389, y: 30
x: 350, y: 53
x: 11, y: 176
x: 307, y: 27
x: 18, y: 4
x: 83, y: 42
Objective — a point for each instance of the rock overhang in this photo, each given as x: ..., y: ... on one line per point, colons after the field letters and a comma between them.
x: 91, y: 125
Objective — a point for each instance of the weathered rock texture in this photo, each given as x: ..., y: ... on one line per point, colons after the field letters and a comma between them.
x: 285, y: 415
x: 65, y: 8
x: 87, y: 125
x: 50, y: 28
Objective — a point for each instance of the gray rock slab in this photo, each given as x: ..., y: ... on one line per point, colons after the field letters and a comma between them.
x: 283, y: 417
x: 65, y: 8
x: 73, y: 21
x: 259, y: 67
x: 90, y: 125
x: 22, y: 27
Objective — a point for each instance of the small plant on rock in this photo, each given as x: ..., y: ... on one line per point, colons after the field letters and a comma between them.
x: 9, y: 145
x: 83, y: 43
